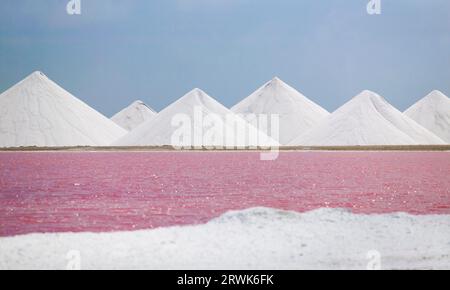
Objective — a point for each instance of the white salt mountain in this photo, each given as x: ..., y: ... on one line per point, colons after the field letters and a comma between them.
x: 367, y: 119
x: 433, y: 113
x: 37, y: 112
x: 297, y: 113
x: 133, y: 115
x: 195, y: 120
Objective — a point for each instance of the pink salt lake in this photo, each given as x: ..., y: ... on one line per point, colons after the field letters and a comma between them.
x: 97, y: 192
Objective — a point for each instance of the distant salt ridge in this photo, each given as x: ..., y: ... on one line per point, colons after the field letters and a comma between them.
x: 433, y: 113
x: 367, y: 119
x: 134, y: 115
x: 297, y: 113
x: 160, y: 130
x: 256, y: 238
x: 38, y: 112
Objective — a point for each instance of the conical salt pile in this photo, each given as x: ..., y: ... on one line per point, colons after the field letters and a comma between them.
x: 297, y: 113
x: 433, y: 113
x: 37, y: 112
x: 133, y: 115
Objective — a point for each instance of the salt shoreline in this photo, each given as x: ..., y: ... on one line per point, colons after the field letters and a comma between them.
x: 257, y: 238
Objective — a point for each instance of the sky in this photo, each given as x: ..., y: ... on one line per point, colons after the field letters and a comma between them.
x: 118, y: 51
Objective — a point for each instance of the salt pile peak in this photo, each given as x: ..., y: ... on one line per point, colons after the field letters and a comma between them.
x: 297, y: 113
x: 433, y: 113
x: 367, y: 119
x: 197, y: 109
x: 133, y: 115
x: 38, y: 112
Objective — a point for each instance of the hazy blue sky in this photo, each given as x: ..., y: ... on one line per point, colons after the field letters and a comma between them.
x: 121, y: 50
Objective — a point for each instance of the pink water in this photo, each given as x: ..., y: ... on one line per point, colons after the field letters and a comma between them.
x: 60, y: 192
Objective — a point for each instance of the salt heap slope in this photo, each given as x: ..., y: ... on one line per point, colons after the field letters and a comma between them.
x: 433, y: 113
x: 196, y: 114
x: 37, y: 112
x: 367, y: 119
x: 133, y: 115
x: 297, y: 113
